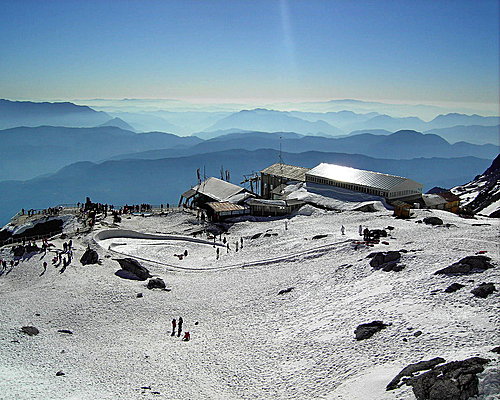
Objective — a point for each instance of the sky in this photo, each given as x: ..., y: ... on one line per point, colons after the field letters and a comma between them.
x: 434, y: 52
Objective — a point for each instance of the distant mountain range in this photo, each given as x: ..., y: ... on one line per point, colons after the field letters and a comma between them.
x: 119, y: 123
x: 27, y: 113
x: 476, y: 134
x: 28, y: 152
x: 163, y: 180
x: 273, y: 121
x: 399, y: 145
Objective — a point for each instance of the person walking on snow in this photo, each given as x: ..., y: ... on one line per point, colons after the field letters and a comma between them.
x: 361, y: 230
x: 342, y: 229
x: 174, y: 323
x: 180, y: 326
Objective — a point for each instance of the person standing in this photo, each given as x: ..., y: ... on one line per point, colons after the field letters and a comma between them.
x: 361, y: 230
x: 174, y: 323
x: 342, y: 229
x: 217, y: 253
x: 180, y: 326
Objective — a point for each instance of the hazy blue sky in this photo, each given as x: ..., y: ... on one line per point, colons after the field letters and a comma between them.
x: 426, y: 51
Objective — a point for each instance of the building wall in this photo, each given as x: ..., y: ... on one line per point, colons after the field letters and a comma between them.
x: 268, y: 183
x: 407, y: 190
x: 349, y: 186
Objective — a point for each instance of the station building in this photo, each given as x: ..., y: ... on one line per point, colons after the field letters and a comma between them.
x: 391, y: 187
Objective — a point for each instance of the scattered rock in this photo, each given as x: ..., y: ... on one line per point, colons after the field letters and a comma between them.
x: 133, y: 266
x: 496, y: 350
x: 89, y: 257
x: 156, y: 283
x: 270, y: 234
x: 283, y: 291
x: 30, y: 330
x: 319, y: 237
x: 433, y: 221
x: 139, y: 295
x: 484, y: 290
x: 411, y: 369
x: 387, y: 261
x: 417, y: 333
x: 60, y: 373
x: 365, y: 331
x: 453, y: 287
x: 65, y: 331
x: 256, y: 236
x: 467, y: 265
x: 455, y: 380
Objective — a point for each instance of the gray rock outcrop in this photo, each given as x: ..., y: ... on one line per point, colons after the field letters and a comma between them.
x: 89, y: 257
x: 134, y: 267
x: 433, y: 221
x: 453, y: 287
x: 366, y: 331
x: 386, y: 261
x: 484, y: 290
x: 467, y: 265
x: 156, y: 283
x: 30, y: 330
x: 455, y: 380
x: 411, y: 369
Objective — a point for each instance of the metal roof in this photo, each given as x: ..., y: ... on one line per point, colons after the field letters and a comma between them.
x: 225, y: 206
x: 286, y: 171
x: 355, y: 176
x: 214, y: 188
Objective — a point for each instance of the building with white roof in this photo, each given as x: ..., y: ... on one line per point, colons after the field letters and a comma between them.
x: 213, y: 189
x: 389, y: 186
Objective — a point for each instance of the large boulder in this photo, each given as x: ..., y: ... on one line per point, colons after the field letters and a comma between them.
x: 483, y: 290
x: 409, y: 370
x: 365, y: 331
x: 89, y: 257
x: 134, y: 267
x: 30, y: 330
x: 453, y: 287
x: 467, y: 265
x: 433, y: 221
x: 156, y: 283
x: 386, y: 260
x: 456, y: 380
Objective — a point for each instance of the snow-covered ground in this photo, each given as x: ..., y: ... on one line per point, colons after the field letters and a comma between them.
x: 248, y: 342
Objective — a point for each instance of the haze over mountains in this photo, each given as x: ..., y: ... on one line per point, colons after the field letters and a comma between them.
x: 163, y: 180
x: 42, y: 138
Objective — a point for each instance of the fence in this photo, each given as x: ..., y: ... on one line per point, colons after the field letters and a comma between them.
x: 65, y: 209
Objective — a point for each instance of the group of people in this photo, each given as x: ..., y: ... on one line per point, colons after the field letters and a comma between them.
x: 3, y: 266
x: 64, y: 257
x: 136, y: 208
x: 177, y: 329
x: 47, y: 211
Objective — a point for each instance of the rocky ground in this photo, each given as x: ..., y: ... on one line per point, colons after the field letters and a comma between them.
x: 247, y: 340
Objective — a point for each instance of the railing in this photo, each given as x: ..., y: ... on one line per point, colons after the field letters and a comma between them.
x: 74, y: 209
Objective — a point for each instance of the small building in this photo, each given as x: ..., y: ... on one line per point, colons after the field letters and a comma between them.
x: 273, y: 208
x: 218, y: 211
x: 391, y: 187
x: 214, y: 190
x: 442, y: 201
x: 279, y: 174
x: 401, y: 209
